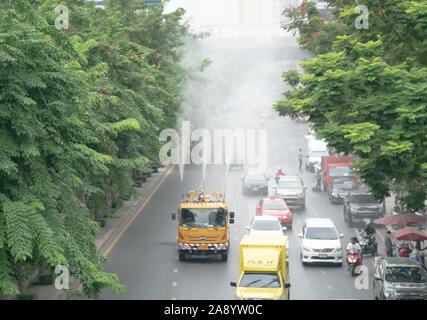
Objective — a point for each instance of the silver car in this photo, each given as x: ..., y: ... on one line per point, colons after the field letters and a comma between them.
x: 399, y: 279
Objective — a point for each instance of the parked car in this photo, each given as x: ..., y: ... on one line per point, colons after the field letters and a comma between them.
x: 255, y: 182
x: 341, y: 188
x: 360, y: 206
x: 265, y: 226
x: 399, y: 279
x: 275, y: 207
x: 292, y: 190
x: 320, y: 242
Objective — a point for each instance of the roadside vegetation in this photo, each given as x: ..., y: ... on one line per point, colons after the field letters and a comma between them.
x: 365, y: 90
x: 80, y: 114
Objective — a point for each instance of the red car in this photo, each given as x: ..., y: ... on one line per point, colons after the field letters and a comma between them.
x: 276, y: 207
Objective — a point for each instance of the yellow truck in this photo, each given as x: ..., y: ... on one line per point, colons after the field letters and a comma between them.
x: 263, y: 269
x: 203, y: 225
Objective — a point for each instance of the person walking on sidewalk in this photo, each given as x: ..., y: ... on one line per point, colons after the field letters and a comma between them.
x: 300, y: 158
x: 388, y: 244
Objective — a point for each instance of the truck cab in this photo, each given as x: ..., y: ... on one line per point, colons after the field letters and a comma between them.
x: 336, y: 167
x: 263, y: 269
x: 203, y: 225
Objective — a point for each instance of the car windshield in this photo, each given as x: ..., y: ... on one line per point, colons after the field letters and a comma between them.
x: 319, y: 154
x: 266, y: 225
x: 340, y: 171
x: 260, y: 280
x: 363, y: 198
x: 344, y: 185
x: 289, y: 184
x: 203, y: 218
x: 325, y: 233
x: 257, y: 178
x: 405, y: 274
x: 275, y: 205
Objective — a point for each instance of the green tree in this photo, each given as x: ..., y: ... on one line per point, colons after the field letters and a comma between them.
x: 365, y: 91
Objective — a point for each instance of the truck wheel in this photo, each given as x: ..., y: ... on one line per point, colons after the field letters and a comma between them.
x: 181, y: 256
x: 224, y: 257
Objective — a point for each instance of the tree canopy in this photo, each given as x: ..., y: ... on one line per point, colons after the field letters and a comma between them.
x: 365, y: 90
x: 80, y: 112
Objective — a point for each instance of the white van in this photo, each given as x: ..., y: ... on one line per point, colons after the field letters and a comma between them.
x: 320, y: 241
x: 316, y: 149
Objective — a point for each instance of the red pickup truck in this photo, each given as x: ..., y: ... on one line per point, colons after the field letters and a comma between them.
x: 336, y: 167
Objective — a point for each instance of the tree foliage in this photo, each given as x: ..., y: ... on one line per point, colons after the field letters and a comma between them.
x: 366, y: 89
x: 80, y: 113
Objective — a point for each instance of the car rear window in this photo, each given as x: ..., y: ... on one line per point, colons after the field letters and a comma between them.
x: 274, y: 205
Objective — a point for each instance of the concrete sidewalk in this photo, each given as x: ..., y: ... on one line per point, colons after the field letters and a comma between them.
x: 104, y: 238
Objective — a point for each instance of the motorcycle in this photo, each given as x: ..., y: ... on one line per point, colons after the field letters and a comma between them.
x: 368, y: 245
x: 353, y: 260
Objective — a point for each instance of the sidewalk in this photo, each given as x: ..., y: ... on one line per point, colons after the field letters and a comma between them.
x: 106, y: 235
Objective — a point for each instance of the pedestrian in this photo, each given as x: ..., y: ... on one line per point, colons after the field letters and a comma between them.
x: 388, y: 244
x: 300, y: 158
x: 417, y: 256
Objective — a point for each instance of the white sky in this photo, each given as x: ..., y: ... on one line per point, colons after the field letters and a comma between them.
x: 207, y: 12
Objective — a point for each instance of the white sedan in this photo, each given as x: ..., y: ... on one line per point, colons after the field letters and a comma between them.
x: 265, y: 226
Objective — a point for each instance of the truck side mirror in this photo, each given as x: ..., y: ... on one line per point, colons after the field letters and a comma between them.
x: 233, y: 284
x: 287, y: 285
x: 232, y: 215
x: 173, y: 216
x: 231, y: 220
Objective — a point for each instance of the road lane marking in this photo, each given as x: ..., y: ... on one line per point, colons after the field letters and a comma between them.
x: 175, y: 270
x: 330, y: 287
x: 174, y: 284
x: 173, y: 298
x: 138, y: 211
x: 176, y: 258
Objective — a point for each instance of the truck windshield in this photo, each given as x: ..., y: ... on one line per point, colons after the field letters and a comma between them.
x: 260, y: 280
x: 404, y: 274
x: 203, y: 218
x: 340, y: 171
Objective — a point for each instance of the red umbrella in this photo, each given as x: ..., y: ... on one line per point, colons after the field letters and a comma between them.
x: 401, y: 218
x: 409, y: 234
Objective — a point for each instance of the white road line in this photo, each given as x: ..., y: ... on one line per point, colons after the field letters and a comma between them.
x: 330, y: 287
x: 174, y: 284
x: 176, y: 258
x: 173, y: 298
x: 175, y: 270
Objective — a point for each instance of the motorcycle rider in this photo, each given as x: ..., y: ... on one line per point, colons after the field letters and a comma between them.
x: 370, y: 233
x: 279, y: 173
x: 353, y: 246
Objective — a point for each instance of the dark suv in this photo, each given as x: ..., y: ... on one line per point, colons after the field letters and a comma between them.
x: 399, y: 279
x: 341, y: 188
x: 361, y: 206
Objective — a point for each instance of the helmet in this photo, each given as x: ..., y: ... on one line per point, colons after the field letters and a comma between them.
x: 353, y: 238
x: 368, y: 223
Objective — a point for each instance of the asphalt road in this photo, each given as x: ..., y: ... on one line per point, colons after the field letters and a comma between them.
x: 145, y: 257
